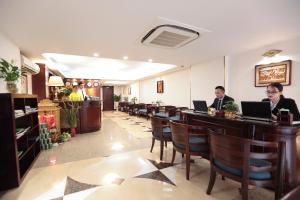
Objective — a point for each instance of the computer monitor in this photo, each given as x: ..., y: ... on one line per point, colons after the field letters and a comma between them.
x: 200, y: 106
x: 260, y: 110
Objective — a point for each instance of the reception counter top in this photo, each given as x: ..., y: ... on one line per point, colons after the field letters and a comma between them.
x: 88, y: 117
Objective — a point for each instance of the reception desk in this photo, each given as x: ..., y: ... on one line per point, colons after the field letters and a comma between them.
x: 259, y: 130
x: 88, y: 117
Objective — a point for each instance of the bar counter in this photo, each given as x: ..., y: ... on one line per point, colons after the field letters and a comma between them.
x: 88, y: 117
x: 259, y: 130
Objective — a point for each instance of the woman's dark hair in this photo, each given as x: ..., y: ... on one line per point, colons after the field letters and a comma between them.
x: 276, y: 85
x: 220, y: 87
x: 80, y: 83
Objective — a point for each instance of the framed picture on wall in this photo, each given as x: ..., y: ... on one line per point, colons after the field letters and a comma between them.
x: 275, y: 72
x: 129, y: 90
x: 160, y: 86
x: 24, y: 84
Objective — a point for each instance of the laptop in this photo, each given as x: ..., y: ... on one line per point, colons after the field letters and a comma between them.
x: 200, y: 106
x: 257, y: 110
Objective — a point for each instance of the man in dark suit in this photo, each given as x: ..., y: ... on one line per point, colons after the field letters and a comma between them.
x: 221, y: 99
x: 278, y: 101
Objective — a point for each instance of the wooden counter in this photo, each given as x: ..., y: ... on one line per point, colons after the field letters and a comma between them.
x: 259, y: 130
x: 88, y: 117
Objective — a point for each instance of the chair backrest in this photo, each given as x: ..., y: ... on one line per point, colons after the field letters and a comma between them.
x: 141, y: 106
x: 237, y: 152
x: 157, y: 125
x: 292, y: 195
x: 181, y: 134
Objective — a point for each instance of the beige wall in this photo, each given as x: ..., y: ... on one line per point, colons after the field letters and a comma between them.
x: 8, y: 51
x: 241, y: 72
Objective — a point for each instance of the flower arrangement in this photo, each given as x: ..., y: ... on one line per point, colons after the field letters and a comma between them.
x: 70, y: 110
x: 65, y: 91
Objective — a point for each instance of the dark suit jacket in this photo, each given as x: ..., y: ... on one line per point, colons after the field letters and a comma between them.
x: 225, y: 100
x: 287, y: 104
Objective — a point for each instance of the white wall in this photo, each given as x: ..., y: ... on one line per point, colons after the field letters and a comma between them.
x: 242, y: 68
x: 184, y: 86
x: 205, y: 77
x: 8, y: 51
x: 173, y: 82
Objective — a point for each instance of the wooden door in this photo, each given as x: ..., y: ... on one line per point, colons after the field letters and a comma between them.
x: 108, y: 98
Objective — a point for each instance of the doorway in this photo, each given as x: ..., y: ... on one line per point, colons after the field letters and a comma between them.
x: 108, y: 98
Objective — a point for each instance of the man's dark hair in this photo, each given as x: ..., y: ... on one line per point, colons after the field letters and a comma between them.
x: 80, y: 83
x: 276, y: 85
x: 220, y: 87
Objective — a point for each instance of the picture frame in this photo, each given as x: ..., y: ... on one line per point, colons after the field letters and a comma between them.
x: 24, y: 84
x: 129, y: 90
x: 160, y: 86
x: 280, y: 72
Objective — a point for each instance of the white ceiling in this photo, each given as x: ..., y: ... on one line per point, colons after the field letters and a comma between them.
x: 114, y: 28
x: 102, y: 68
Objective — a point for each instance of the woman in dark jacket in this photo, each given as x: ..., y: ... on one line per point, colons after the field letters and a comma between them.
x: 278, y: 101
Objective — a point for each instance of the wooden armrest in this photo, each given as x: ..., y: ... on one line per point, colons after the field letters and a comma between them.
x: 193, y: 127
x: 198, y: 134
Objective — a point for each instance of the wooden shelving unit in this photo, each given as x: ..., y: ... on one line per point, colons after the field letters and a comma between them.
x: 17, y: 154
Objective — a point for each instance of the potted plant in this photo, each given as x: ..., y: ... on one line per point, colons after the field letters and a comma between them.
x: 133, y: 100
x: 10, y: 73
x: 117, y: 98
x: 159, y: 102
x: 125, y: 99
x: 231, y: 109
x: 70, y: 111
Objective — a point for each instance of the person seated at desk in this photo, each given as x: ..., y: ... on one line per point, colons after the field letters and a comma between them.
x: 278, y: 101
x: 75, y: 95
x: 221, y: 99
x: 81, y: 90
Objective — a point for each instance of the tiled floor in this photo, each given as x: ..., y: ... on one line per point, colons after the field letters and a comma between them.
x: 115, y: 163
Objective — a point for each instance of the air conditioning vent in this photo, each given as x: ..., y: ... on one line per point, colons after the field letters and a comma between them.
x: 169, y: 36
x: 28, y: 66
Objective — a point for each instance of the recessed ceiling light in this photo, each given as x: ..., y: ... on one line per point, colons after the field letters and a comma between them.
x: 125, y: 57
x: 150, y: 60
x: 95, y: 54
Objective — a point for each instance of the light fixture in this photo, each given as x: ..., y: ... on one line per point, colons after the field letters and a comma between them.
x: 95, y: 54
x: 125, y: 57
x: 89, y: 83
x: 271, y: 53
x: 273, y: 56
x: 55, y: 81
x: 150, y: 60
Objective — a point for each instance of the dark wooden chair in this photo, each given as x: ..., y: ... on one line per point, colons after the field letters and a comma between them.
x: 160, y: 131
x: 292, y: 195
x: 122, y: 106
x: 244, y: 161
x: 143, y: 110
x: 189, y: 140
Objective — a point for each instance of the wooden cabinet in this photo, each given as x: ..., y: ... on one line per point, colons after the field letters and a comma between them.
x: 17, y: 152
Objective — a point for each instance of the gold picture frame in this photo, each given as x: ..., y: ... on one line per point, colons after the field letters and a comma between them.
x: 160, y: 87
x: 280, y: 72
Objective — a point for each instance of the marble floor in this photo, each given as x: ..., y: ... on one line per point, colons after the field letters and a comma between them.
x: 115, y: 163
